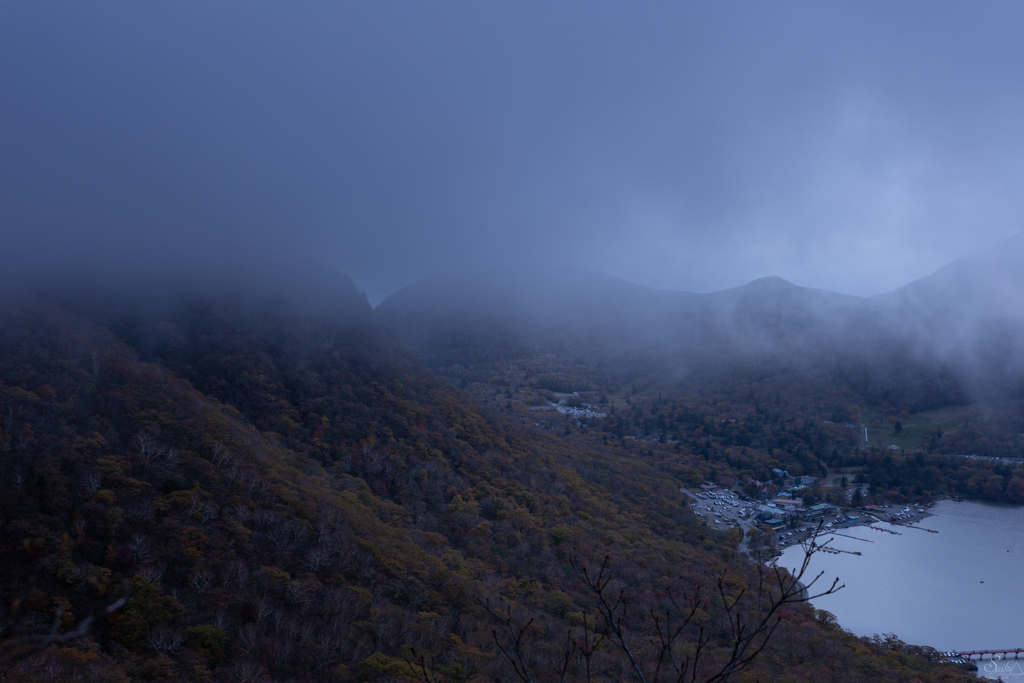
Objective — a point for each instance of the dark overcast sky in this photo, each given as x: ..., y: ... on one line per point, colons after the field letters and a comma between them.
x: 851, y: 146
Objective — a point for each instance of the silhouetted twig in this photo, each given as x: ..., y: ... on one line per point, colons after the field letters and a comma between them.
x: 18, y: 648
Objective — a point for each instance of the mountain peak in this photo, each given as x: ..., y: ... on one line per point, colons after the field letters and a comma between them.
x: 770, y: 282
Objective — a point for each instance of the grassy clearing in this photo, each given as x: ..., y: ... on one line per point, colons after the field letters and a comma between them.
x: 916, y: 428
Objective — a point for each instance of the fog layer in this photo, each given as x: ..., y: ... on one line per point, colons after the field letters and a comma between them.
x: 953, y: 337
x: 848, y: 146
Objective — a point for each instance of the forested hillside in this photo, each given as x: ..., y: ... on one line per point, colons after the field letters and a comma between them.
x: 218, y: 486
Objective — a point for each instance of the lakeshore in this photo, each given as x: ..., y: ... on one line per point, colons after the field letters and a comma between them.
x: 955, y: 590
x: 773, y: 526
x: 905, y: 557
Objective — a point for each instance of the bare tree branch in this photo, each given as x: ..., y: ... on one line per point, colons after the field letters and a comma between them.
x: 512, y: 647
x: 747, y: 639
x: 15, y: 649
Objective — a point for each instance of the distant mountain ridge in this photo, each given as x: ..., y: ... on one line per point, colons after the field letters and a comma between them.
x: 963, y: 321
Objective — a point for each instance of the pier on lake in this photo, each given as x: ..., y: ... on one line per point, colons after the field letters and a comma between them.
x: 991, y: 653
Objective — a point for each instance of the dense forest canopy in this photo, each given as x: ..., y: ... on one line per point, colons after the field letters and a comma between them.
x: 254, y: 484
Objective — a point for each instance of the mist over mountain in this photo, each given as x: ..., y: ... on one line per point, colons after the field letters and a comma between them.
x: 948, y: 338
x: 969, y: 315
x: 397, y: 342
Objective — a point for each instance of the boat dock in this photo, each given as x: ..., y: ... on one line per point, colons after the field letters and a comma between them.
x: 981, y: 653
x: 836, y: 551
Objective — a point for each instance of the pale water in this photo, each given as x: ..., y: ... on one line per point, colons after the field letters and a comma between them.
x: 959, y: 589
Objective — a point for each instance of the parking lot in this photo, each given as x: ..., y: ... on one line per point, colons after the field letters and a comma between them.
x: 721, y: 508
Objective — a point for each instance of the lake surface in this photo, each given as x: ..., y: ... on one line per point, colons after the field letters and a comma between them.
x: 959, y: 589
